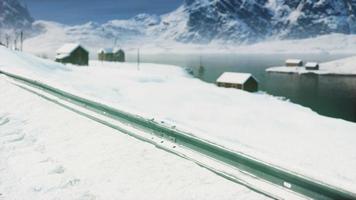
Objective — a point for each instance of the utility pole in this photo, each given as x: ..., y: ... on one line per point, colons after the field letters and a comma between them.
x: 7, y: 37
x: 138, y: 59
x: 15, y: 44
x: 200, y: 61
x: 21, y: 38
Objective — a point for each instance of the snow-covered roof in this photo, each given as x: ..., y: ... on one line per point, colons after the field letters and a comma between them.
x: 106, y: 50
x: 61, y: 56
x: 312, y: 64
x: 68, y: 48
x: 294, y: 61
x: 233, y: 77
x: 117, y: 50
x: 109, y: 50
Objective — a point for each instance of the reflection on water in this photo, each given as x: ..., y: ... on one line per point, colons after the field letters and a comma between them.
x: 201, y: 71
x: 333, y: 96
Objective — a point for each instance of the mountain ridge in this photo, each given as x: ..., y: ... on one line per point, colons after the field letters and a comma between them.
x: 256, y: 20
x: 14, y: 15
x: 213, y: 21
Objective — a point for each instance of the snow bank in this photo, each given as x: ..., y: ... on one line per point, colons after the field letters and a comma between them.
x: 344, y: 66
x: 48, y: 152
x: 260, y: 125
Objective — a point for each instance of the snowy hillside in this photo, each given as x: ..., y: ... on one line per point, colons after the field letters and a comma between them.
x: 14, y: 15
x: 52, y: 35
x: 63, y: 155
x: 250, y: 123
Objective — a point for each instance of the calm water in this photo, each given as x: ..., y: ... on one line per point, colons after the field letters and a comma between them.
x: 333, y: 96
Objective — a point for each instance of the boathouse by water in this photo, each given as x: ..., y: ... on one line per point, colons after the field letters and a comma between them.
x: 294, y: 63
x: 243, y: 81
x: 312, y: 66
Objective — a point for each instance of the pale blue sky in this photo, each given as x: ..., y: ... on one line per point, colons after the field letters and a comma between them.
x: 80, y: 11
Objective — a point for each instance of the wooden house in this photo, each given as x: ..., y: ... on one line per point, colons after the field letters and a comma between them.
x: 243, y: 81
x: 73, y: 54
x: 119, y: 55
x: 294, y: 63
x: 111, y: 55
x: 312, y: 66
x: 105, y: 54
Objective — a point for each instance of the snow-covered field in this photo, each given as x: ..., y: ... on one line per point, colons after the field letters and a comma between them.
x: 346, y: 66
x: 48, y: 152
x: 273, y: 130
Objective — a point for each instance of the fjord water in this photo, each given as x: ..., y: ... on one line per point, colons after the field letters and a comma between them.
x: 333, y: 96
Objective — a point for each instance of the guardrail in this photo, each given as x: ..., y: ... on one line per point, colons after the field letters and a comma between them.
x: 273, y: 174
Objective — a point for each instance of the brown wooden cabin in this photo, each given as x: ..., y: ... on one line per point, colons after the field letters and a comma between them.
x: 111, y: 55
x: 312, y: 66
x: 73, y: 53
x: 294, y: 63
x: 242, y: 81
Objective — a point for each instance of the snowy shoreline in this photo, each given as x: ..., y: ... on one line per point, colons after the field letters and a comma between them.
x: 283, y: 70
x: 341, y: 67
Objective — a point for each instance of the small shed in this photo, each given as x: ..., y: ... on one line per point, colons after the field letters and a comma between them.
x: 112, y: 55
x: 294, y: 63
x: 312, y: 66
x: 72, y: 53
x: 243, y: 81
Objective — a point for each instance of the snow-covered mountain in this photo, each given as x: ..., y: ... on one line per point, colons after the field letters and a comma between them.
x: 14, y: 15
x: 207, y: 21
x: 125, y: 33
x: 254, y: 20
x: 309, y: 18
x: 241, y: 21
x: 236, y: 20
